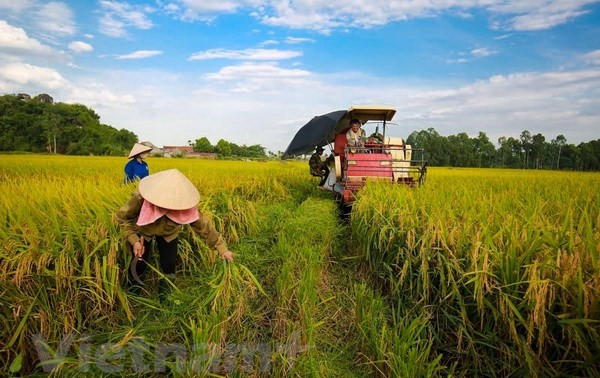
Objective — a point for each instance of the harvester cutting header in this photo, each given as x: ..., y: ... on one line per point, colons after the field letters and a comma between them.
x: 358, y: 157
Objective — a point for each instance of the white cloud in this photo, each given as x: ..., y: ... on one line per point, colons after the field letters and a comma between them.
x: 171, y: 8
x: 98, y: 96
x: 80, y: 47
x: 15, y: 41
x: 57, y: 18
x: 539, y: 14
x: 210, y: 6
x: 19, y: 75
x: 112, y: 27
x: 269, y: 42
x: 483, y: 52
x: 117, y: 17
x: 550, y: 103
x: 592, y: 57
x: 203, y: 10
x: 459, y: 60
x: 251, y: 70
x: 267, y: 104
x: 141, y: 54
x: 263, y: 102
x: 248, y: 54
x: 16, y: 6
x: 313, y: 19
x: 542, y: 20
x: 251, y: 77
x: 476, y: 53
x: 327, y: 15
x: 296, y: 40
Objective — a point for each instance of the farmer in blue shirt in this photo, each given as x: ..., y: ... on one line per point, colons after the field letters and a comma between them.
x: 137, y: 168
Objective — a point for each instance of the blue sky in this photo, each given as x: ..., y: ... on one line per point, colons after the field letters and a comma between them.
x: 254, y: 71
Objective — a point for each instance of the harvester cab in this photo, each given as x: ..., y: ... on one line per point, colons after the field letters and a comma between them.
x: 378, y: 157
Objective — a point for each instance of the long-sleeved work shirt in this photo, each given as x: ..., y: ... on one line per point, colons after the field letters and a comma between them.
x: 136, y: 170
x: 128, y: 214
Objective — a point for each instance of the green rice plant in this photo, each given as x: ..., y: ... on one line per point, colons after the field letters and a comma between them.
x: 394, y: 342
x: 232, y: 215
x: 204, y: 340
x: 479, y: 272
x: 500, y: 257
x: 231, y: 287
x: 58, y: 239
x: 304, y: 245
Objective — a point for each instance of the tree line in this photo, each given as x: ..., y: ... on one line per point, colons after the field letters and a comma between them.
x: 228, y: 149
x: 39, y: 125
x: 526, y: 151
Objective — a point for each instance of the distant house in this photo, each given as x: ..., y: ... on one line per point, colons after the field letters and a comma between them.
x: 155, y: 150
x: 187, y: 151
x: 170, y: 151
x: 202, y: 155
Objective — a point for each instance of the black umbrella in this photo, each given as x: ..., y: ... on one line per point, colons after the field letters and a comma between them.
x: 318, y: 132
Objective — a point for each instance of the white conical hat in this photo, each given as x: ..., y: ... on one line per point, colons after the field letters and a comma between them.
x: 170, y: 190
x: 137, y: 149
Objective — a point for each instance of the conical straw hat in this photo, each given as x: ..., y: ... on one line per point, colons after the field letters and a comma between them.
x: 170, y: 190
x: 137, y: 149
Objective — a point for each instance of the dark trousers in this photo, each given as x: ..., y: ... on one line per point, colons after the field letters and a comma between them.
x: 324, y: 173
x: 167, y: 252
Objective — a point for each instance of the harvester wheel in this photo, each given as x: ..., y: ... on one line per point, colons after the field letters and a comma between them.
x: 338, y: 167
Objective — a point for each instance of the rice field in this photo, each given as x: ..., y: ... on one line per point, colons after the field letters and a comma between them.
x: 478, y: 273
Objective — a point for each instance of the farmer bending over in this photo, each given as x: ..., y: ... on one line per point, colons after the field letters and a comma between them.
x: 164, y: 202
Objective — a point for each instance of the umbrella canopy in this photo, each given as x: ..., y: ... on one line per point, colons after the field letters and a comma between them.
x: 318, y: 132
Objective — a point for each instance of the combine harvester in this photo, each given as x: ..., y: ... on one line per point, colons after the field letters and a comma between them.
x: 380, y: 157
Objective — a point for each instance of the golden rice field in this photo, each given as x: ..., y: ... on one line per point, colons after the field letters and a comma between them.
x: 480, y: 272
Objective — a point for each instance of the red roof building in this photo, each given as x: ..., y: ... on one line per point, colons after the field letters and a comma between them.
x: 187, y: 151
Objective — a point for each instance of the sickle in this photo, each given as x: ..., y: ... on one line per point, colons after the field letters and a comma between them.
x: 133, y: 265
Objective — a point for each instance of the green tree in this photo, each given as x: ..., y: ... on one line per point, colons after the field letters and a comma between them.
x: 203, y: 145
x: 590, y: 155
x: 256, y: 150
x: 526, y: 146
x: 509, y: 152
x: 484, y: 150
x: 223, y: 147
x: 571, y: 157
x: 537, y: 149
x: 236, y: 150
x: 559, y: 142
x: 51, y: 123
x: 503, y: 151
x: 38, y: 126
x: 462, y: 150
x: 436, y: 146
x: 124, y: 139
